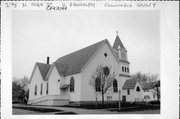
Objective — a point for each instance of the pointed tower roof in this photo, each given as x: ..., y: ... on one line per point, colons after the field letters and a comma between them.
x: 117, y: 43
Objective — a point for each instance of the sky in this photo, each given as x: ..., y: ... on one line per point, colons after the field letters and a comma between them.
x: 38, y: 34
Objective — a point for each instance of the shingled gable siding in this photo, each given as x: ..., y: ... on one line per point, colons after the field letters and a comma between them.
x: 36, y: 80
x: 88, y: 92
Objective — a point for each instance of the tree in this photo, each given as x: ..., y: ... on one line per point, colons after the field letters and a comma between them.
x: 145, y: 77
x: 20, y: 89
x: 101, y: 80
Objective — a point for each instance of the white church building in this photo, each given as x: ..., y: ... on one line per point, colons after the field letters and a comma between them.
x: 66, y: 81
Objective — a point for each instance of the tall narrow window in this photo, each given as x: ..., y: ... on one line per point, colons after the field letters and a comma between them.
x: 41, y: 88
x: 122, y: 69
x: 128, y: 92
x: 35, y: 90
x: 98, y: 84
x: 115, y: 87
x: 72, y: 84
x: 127, y: 69
x: 47, y: 87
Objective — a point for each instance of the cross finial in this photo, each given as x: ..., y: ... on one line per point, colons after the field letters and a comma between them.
x: 117, y: 32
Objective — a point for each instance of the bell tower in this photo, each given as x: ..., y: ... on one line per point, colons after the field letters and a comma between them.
x: 119, y: 49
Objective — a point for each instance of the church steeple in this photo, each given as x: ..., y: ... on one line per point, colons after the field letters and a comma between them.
x: 118, y: 44
x: 119, y: 48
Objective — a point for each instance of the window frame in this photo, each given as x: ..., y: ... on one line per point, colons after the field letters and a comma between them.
x: 147, y: 90
x: 97, y: 84
x: 72, y: 84
x: 41, y: 89
x: 115, y: 86
x: 128, y: 91
x: 35, y: 90
x: 128, y: 69
x: 47, y: 87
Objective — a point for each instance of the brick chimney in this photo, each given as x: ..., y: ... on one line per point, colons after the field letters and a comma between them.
x: 47, y: 60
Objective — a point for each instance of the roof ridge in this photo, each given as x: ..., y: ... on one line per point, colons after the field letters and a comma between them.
x: 42, y: 63
x: 82, y: 49
x: 77, y: 59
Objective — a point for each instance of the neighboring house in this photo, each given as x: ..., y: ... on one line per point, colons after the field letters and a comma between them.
x: 66, y: 81
x: 132, y: 91
x: 150, y: 93
x: 135, y: 91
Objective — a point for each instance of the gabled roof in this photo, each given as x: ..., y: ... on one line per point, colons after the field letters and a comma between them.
x: 74, y: 62
x: 148, y: 85
x: 130, y: 84
x: 117, y: 43
x: 43, y: 68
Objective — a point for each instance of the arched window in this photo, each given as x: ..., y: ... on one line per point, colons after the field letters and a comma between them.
x: 138, y: 89
x: 35, y: 90
x: 122, y: 69
x: 72, y: 84
x: 47, y: 87
x: 41, y: 88
x: 98, y: 84
x: 115, y: 86
x: 106, y: 71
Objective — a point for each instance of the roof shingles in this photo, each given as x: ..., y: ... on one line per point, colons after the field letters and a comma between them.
x: 148, y: 85
x: 43, y: 68
x: 74, y: 62
x: 129, y: 84
x: 118, y: 43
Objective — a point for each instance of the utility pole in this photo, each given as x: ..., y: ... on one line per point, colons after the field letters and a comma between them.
x: 96, y: 101
x: 119, y: 100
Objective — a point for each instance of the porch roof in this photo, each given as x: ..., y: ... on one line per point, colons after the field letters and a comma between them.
x: 64, y: 86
